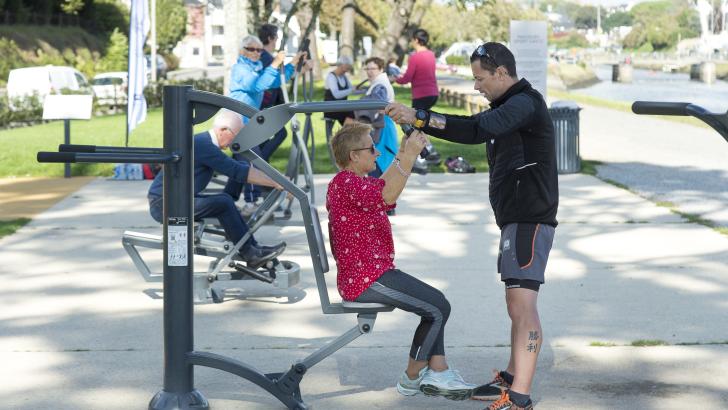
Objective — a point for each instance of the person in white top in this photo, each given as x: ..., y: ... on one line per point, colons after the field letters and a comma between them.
x: 338, y: 87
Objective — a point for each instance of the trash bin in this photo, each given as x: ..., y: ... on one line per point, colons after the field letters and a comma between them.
x: 565, y: 115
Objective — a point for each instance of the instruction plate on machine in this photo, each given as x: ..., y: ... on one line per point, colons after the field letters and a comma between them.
x: 177, y: 241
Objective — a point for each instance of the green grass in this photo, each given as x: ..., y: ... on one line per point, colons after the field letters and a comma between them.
x: 589, y: 167
x: 9, y: 227
x: 18, y: 147
x: 693, y: 218
x: 602, y: 344
x: 656, y: 342
x: 648, y: 342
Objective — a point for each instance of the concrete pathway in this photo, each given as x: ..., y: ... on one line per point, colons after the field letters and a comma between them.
x: 80, y: 329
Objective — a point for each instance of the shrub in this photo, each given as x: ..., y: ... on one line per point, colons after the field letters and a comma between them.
x: 117, y: 54
x: 11, y: 58
x: 458, y: 60
x: 153, y: 92
x: 27, y: 110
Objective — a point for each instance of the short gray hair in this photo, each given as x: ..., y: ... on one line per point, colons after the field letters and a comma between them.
x: 248, y: 40
x: 345, y: 60
x: 228, y: 119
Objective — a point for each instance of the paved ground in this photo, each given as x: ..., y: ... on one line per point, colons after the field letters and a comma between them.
x: 662, y: 160
x: 80, y: 329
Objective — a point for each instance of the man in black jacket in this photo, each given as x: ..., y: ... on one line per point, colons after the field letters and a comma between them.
x: 523, y: 191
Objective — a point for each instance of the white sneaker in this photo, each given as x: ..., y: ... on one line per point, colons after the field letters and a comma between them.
x: 248, y: 209
x: 448, y: 384
x: 409, y: 387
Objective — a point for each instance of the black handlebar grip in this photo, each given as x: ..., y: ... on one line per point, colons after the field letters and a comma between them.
x: 76, y: 148
x: 63, y: 157
x: 407, y: 129
x: 659, y: 108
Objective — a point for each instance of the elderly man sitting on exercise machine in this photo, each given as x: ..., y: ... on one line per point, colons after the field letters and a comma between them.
x: 209, y: 158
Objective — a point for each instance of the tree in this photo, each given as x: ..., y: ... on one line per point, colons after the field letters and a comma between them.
x: 117, y: 53
x: 346, y: 44
x: 586, y: 17
x: 171, y: 24
x: 72, y: 6
x: 437, y: 21
x: 307, y: 17
x: 260, y: 12
x: 660, y: 24
x: 414, y: 22
x: 103, y: 16
x: 617, y: 19
x: 387, y: 39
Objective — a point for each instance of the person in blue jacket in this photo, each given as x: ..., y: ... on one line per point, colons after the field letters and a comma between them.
x: 209, y: 158
x: 249, y: 79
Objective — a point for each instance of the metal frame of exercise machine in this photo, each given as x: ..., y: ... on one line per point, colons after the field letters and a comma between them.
x: 718, y: 122
x: 184, y: 107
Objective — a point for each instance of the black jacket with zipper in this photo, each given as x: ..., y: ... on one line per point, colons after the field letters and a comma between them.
x: 519, y: 137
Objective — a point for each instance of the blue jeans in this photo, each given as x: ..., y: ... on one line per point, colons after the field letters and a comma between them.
x: 265, y: 150
x: 220, y: 206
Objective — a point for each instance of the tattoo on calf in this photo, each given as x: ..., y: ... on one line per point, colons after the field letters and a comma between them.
x: 533, y: 342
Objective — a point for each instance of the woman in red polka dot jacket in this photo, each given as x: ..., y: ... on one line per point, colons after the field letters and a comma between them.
x: 362, y: 244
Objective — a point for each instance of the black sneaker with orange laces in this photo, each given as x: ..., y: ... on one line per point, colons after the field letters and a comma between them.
x: 492, y: 390
x: 505, y: 403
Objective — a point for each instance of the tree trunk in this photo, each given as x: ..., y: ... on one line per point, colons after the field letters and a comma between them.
x: 236, y: 27
x: 413, y: 24
x: 387, y: 41
x: 346, y: 42
x: 307, y: 17
x: 259, y: 13
x: 717, y: 17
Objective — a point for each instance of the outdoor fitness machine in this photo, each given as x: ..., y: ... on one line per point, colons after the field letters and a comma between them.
x: 184, y: 107
x: 718, y: 122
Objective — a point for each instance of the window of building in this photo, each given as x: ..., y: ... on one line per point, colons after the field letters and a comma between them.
x: 217, y: 50
x: 218, y: 30
x: 195, y: 51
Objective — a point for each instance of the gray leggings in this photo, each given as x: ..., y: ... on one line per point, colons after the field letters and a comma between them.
x: 403, y: 291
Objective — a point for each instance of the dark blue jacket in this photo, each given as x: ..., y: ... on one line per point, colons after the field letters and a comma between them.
x: 208, y: 159
x: 519, y: 137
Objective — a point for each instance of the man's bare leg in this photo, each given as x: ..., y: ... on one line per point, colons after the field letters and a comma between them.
x: 526, y: 337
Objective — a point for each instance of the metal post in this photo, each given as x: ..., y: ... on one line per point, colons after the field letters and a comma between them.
x: 178, y: 392
x: 67, y: 140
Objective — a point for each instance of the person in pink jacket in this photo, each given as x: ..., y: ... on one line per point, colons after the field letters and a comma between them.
x: 421, y: 73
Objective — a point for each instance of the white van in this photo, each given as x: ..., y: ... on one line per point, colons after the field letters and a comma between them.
x: 41, y: 81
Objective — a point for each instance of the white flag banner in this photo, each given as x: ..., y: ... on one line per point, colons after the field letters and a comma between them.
x: 138, y: 29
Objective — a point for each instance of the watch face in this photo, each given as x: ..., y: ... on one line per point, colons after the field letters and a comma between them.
x: 421, y: 115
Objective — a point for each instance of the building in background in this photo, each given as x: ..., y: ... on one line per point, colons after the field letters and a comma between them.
x: 203, y: 45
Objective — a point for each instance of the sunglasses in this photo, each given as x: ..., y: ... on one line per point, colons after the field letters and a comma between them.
x: 254, y: 49
x: 483, y: 53
x: 371, y: 149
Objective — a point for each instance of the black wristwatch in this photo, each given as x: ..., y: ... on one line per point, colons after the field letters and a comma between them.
x: 422, y: 117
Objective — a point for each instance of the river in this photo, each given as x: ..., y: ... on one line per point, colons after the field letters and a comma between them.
x: 658, y: 86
